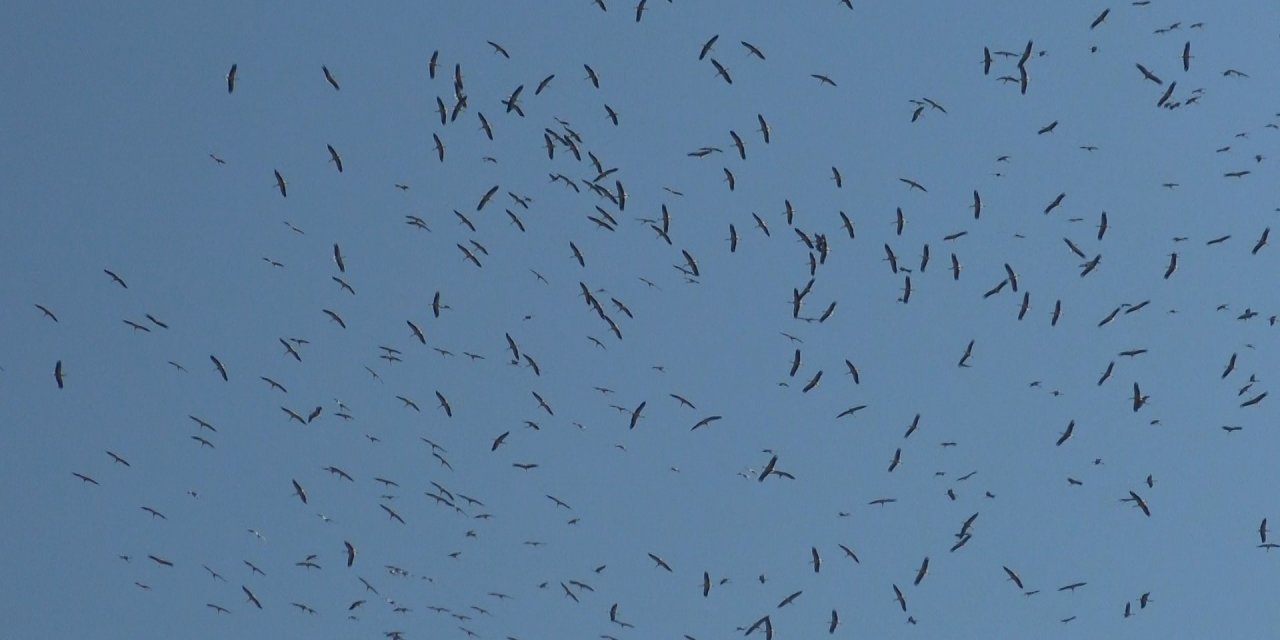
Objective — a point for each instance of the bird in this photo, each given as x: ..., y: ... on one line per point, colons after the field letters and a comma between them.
x: 116, y: 278
x: 281, y: 184
x: 251, y: 597
x: 231, y: 79
x: 789, y: 599
x: 329, y: 77
x: 1098, y: 20
x: 335, y: 158
x: 1140, y: 503
x: 659, y: 562
x: 1262, y: 241
x: 47, y: 313
x: 922, y: 572
x: 497, y: 442
x: 1138, y: 399
x: 968, y: 353
x: 1056, y: 202
x: 768, y: 468
x: 217, y: 364
x: 1146, y: 74
x: 902, y: 600
x: 1066, y: 434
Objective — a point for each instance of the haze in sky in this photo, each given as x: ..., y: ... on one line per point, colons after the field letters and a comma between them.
x: 580, y: 319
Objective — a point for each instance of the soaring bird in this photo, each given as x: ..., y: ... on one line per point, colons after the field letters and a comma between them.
x: 1262, y: 241
x: 1148, y: 75
x: 635, y: 414
x: 351, y: 552
x: 332, y: 81
x: 968, y: 353
x: 768, y: 468
x: 231, y: 84
x: 660, y: 562
x: 902, y: 600
x: 1140, y: 503
x: 116, y: 278
x: 48, y: 314
x: 1097, y: 21
x: 281, y: 184
x: 1138, y: 398
x: 299, y: 491
x: 1056, y: 202
x: 222, y: 371
x: 497, y: 442
x: 923, y: 571
x: 1066, y: 435
x: 252, y: 598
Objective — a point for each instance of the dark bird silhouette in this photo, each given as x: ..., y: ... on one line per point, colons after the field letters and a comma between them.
x: 332, y: 81
x: 1097, y: 21
x: 922, y: 572
x: 1066, y: 435
x: 115, y: 278
x: 281, y: 184
x: 217, y: 364
x: 251, y: 598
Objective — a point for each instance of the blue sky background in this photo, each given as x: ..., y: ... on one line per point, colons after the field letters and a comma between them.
x: 112, y: 112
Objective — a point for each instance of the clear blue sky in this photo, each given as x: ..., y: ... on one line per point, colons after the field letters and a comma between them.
x: 114, y: 113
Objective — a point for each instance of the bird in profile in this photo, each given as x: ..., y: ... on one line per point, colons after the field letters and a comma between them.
x: 281, y: 184
x: 217, y: 364
x: 332, y: 81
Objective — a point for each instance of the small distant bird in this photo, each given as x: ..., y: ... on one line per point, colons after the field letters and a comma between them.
x: 329, y: 76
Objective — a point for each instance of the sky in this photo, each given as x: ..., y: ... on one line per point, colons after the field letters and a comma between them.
x: 582, y: 335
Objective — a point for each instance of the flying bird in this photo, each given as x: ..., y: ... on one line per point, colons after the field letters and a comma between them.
x: 222, y: 371
x: 1013, y: 576
x: 1066, y: 435
x: 252, y: 598
x: 281, y: 184
x: 922, y: 572
x: 1148, y: 75
x: 1097, y: 21
x: 332, y: 81
x: 660, y: 562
